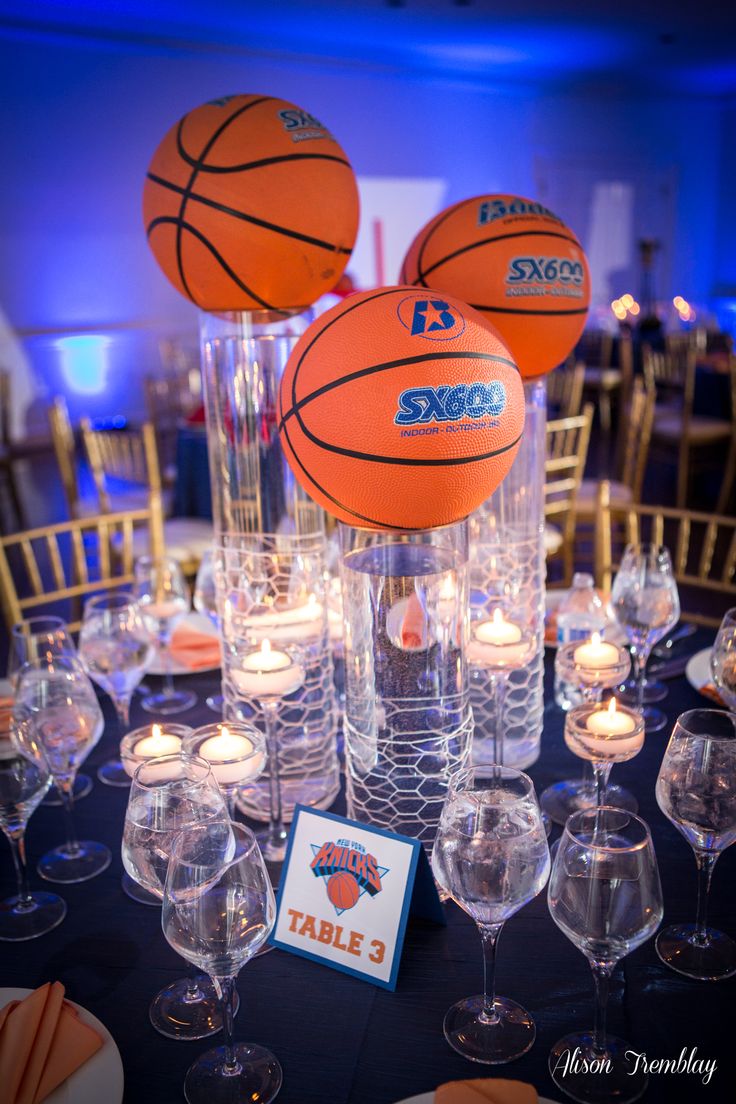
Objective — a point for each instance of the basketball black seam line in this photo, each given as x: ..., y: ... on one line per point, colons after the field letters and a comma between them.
x: 440, y: 221
x: 519, y: 310
x: 405, y: 462
x: 193, y: 175
x: 207, y: 202
x: 172, y: 219
x: 486, y: 241
x: 248, y: 165
x: 386, y: 366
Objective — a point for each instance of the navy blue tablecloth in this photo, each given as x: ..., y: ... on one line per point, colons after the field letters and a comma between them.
x: 342, y: 1041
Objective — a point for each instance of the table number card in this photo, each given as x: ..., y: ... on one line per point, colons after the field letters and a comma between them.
x: 347, y: 890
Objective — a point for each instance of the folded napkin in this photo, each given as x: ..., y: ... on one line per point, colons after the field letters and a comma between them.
x: 6, y: 713
x: 194, y: 649
x: 42, y: 1042
x: 710, y: 691
x: 495, y: 1090
x: 413, y: 625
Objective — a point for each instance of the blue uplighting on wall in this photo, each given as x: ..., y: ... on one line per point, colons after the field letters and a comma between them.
x: 84, y: 362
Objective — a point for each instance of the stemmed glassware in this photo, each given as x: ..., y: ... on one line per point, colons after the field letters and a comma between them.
x: 44, y: 637
x: 647, y: 605
x: 696, y: 790
x: 56, y: 707
x: 116, y: 650
x: 605, y: 895
x: 163, y: 597
x: 218, y: 911
x: 24, y: 779
x: 723, y: 659
x: 602, y: 737
x: 205, y: 602
x: 491, y: 856
x: 235, y: 751
x: 167, y: 794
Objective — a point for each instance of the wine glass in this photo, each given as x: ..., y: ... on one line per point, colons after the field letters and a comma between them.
x: 218, y: 911
x: 645, y: 599
x: 44, y: 637
x: 205, y: 602
x: 163, y: 597
x: 605, y: 895
x: 115, y: 649
x: 491, y: 856
x: 57, y: 703
x: 696, y: 790
x: 167, y: 794
x: 24, y: 779
x: 723, y: 659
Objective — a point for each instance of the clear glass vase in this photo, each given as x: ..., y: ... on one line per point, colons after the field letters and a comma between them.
x: 507, y: 562
x: 270, y: 551
x: 408, y: 721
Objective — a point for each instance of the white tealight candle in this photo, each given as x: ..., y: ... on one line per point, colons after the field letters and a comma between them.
x: 268, y: 673
x: 158, y: 743
x: 498, y: 630
x: 610, y: 721
x: 498, y: 643
x: 230, y: 757
x: 596, y: 653
x: 302, y: 622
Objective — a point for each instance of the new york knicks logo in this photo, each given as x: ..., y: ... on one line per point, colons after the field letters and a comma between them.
x: 348, y: 871
x: 431, y: 317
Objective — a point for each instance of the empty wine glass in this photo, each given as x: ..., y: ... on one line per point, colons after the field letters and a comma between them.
x: 24, y: 779
x: 647, y: 605
x: 205, y: 602
x: 605, y: 896
x: 44, y: 637
x: 218, y: 911
x: 57, y: 703
x: 491, y: 856
x: 723, y: 659
x: 696, y: 790
x: 167, y: 794
x: 115, y: 649
x: 163, y: 597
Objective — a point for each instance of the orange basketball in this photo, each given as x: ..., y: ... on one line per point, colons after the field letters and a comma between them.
x: 516, y: 263
x: 343, y: 890
x: 250, y: 204
x: 400, y: 409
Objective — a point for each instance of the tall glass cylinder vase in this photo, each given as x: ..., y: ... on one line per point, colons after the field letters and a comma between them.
x: 408, y: 721
x: 507, y: 564
x: 270, y: 551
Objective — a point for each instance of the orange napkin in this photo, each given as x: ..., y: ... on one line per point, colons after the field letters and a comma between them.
x: 194, y: 649
x: 42, y: 1042
x: 413, y: 624
x: 6, y: 713
x: 709, y: 691
x: 489, y: 1090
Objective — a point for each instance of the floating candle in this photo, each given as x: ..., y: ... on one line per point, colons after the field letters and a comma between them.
x: 499, y: 643
x: 158, y: 743
x: 596, y: 653
x: 268, y: 672
x: 232, y: 757
x: 610, y: 721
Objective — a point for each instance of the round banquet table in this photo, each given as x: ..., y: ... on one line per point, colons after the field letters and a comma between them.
x: 343, y: 1041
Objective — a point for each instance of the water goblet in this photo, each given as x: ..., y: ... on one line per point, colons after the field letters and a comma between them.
x: 205, y: 602
x: 647, y: 605
x: 218, y: 911
x: 163, y: 597
x: 696, y: 791
x: 723, y: 659
x: 604, y: 894
x: 491, y: 856
x: 167, y: 794
x: 24, y: 779
x: 116, y: 650
x: 44, y: 637
x: 57, y: 703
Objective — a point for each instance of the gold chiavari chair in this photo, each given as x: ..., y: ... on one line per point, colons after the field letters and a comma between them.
x: 62, y: 439
x: 703, y: 549
x: 633, y: 451
x: 565, y: 388
x: 567, y: 452
x: 692, y: 439
x: 54, y: 568
x: 7, y: 459
x: 129, y: 458
x: 602, y: 381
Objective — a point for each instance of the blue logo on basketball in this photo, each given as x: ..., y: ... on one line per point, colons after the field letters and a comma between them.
x: 430, y: 317
x: 419, y: 405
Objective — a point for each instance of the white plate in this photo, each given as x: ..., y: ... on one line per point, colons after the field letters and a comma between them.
x: 697, y: 671
x: 198, y: 623
x: 100, y: 1078
x: 428, y: 1098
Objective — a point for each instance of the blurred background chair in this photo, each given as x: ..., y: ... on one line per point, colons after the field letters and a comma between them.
x: 604, y: 381
x: 565, y: 389
x: 7, y: 458
x: 567, y: 452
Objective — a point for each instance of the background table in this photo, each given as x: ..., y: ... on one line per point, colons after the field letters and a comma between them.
x: 342, y: 1041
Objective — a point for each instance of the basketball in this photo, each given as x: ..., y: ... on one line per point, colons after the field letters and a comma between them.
x: 250, y: 204
x: 400, y: 409
x: 515, y: 262
x: 343, y: 890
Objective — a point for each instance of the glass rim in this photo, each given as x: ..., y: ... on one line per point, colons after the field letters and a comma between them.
x: 119, y: 597
x: 184, y: 760
x: 147, y: 560
x: 493, y: 769
x: 592, y: 814
x: 683, y: 720
x: 383, y: 532
x: 64, y: 660
x: 20, y: 628
x: 729, y: 615
x: 649, y: 546
x: 236, y: 827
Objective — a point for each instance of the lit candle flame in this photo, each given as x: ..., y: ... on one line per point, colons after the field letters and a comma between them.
x: 156, y: 731
x: 223, y: 731
x: 498, y: 616
x: 612, y: 706
x: 595, y: 640
x: 266, y: 646
x: 447, y: 590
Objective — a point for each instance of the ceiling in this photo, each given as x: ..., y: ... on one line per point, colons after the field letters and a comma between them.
x: 563, y: 44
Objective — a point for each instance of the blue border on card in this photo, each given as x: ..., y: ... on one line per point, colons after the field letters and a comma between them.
x: 414, y: 844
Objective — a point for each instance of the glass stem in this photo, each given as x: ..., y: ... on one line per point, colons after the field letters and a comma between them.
x: 588, y: 777
x: 277, y: 831
x: 601, y: 979
x: 18, y: 851
x: 65, y: 792
x: 165, y: 653
x: 601, y: 772
x: 498, y: 693
x: 122, y: 708
x: 706, y: 861
x: 227, y: 1000
x: 489, y: 934
x: 640, y: 657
